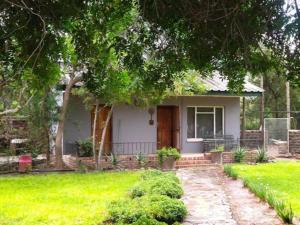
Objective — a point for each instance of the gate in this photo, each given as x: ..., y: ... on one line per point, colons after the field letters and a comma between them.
x: 276, y: 136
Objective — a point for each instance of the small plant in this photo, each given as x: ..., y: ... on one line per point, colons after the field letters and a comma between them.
x: 167, y: 152
x: 141, y: 159
x: 114, y: 159
x: 262, y: 156
x: 84, y: 147
x: 259, y: 190
x: 239, y: 155
x: 271, y: 199
x: 230, y: 172
x: 285, y: 212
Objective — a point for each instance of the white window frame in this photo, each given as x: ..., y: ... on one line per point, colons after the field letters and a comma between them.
x: 213, y: 113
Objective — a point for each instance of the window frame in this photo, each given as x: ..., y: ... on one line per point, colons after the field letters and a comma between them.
x: 195, y: 139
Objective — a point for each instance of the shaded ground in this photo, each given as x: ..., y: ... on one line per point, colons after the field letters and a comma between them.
x: 214, y: 199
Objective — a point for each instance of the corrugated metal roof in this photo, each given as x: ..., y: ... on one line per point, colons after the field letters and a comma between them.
x: 219, y: 84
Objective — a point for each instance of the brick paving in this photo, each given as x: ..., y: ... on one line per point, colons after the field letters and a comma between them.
x: 213, y: 199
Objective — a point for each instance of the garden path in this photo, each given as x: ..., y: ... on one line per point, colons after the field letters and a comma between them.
x: 214, y: 199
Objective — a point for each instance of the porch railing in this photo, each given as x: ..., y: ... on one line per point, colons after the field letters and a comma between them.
x: 133, y: 148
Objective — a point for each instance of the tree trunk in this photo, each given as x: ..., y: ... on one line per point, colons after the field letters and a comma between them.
x: 94, y: 133
x: 103, y: 135
x: 61, y: 123
x: 262, y: 105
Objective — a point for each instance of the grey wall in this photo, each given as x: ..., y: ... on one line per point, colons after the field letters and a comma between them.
x: 231, y: 118
x: 77, y: 125
x: 131, y: 124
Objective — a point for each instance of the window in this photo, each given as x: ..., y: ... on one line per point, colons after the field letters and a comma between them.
x: 204, y: 122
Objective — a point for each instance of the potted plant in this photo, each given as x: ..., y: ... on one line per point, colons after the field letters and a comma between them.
x: 167, y: 157
x: 216, y: 154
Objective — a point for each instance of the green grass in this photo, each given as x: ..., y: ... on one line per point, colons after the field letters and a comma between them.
x: 282, y: 178
x: 60, y: 199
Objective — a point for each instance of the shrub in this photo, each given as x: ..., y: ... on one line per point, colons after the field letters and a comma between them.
x: 165, y: 187
x: 154, y: 207
x: 166, y: 209
x: 262, y: 156
x: 84, y: 147
x: 126, y: 211
x: 167, y: 152
x: 137, y: 191
x: 230, y: 172
x: 147, y: 220
x: 162, y: 185
x: 239, y: 155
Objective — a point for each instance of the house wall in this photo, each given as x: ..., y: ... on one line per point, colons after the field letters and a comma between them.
x: 77, y: 124
x: 231, y: 117
x: 131, y: 124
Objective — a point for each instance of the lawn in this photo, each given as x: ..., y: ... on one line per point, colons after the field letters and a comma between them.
x: 281, y: 177
x: 60, y: 199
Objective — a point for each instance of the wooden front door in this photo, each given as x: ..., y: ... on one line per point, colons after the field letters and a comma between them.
x: 102, y: 115
x: 167, y: 126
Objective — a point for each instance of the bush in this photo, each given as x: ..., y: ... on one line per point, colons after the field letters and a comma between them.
x: 167, y: 152
x: 126, y: 211
x: 153, y: 207
x: 166, y: 209
x: 157, y: 182
x: 84, y: 147
x: 239, y: 155
x: 262, y: 156
x: 230, y: 172
x: 147, y: 220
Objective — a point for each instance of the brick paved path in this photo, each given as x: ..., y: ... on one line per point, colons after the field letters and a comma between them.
x: 213, y: 199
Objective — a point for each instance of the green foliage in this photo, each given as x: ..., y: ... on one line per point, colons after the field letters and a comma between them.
x: 188, y: 83
x: 158, y: 207
x: 141, y: 159
x: 285, y: 212
x: 161, y: 185
x: 262, y: 156
x: 230, y: 172
x: 147, y: 220
x: 84, y: 147
x: 239, y: 154
x: 114, y: 159
x: 166, y: 209
x: 166, y: 152
x: 153, y: 201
